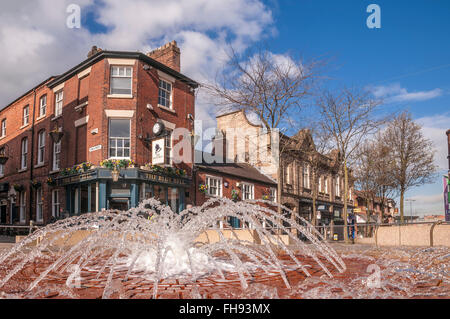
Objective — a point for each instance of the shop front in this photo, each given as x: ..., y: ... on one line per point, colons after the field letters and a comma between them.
x: 96, y: 190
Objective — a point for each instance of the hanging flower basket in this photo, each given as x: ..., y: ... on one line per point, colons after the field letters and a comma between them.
x: 203, y: 188
x: 18, y: 188
x: 51, y: 181
x: 56, y: 135
x: 35, y: 184
x: 235, y: 195
x: 3, y: 159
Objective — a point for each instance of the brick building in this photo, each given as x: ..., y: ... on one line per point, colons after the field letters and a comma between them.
x: 297, y: 183
x: 236, y: 181
x: 56, y: 136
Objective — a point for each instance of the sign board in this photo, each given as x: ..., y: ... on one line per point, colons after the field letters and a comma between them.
x: 95, y: 148
x: 357, y: 210
x: 158, y: 151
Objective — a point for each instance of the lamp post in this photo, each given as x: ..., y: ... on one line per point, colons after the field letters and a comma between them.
x: 410, y: 205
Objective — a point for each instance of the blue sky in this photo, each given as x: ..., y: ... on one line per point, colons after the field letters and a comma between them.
x: 407, y: 61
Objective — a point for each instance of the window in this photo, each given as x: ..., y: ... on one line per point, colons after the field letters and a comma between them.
x: 55, y: 203
x: 320, y: 184
x: 273, y: 195
x: 42, y: 105
x: 214, y: 186
x: 22, y: 206
x: 168, y: 153
x: 26, y: 115
x: 56, y: 155
x: 338, y: 186
x: 247, y: 191
x: 288, y: 174
x: 2, y: 170
x: 121, y: 80
x: 119, y: 138
x: 59, y: 96
x: 39, y: 205
x: 3, y: 127
x: 306, y: 176
x: 325, y: 185
x: 24, y: 153
x: 165, y: 94
x: 41, y: 147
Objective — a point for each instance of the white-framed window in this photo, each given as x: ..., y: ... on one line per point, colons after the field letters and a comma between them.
x: 320, y: 184
x: 288, y: 174
x: 22, y: 206
x: 306, y: 176
x: 338, y: 186
x: 24, y: 153
x: 59, y: 97
x: 248, y: 191
x: 119, y: 138
x: 121, y: 80
x: 169, y: 144
x: 3, y: 127
x: 165, y: 94
x: 55, y: 203
x: 56, y: 155
x: 39, y: 205
x: 325, y: 184
x: 214, y: 186
x: 26, y: 115
x: 273, y: 195
x: 2, y: 172
x: 41, y: 147
x: 42, y: 105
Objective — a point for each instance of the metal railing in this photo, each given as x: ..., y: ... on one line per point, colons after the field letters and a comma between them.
x: 15, y: 230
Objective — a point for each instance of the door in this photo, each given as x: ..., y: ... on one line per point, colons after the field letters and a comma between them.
x: 118, y: 204
x: 3, y: 214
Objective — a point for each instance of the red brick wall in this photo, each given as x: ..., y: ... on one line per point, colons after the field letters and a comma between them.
x: 260, y: 189
x: 76, y: 142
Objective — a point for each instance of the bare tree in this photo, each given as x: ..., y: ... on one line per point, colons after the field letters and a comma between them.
x: 412, y: 155
x: 372, y: 175
x: 274, y: 87
x: 349, y: 117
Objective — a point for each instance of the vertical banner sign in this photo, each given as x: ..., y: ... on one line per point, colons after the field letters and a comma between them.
x: 158, y: 150
x: 446, y: 197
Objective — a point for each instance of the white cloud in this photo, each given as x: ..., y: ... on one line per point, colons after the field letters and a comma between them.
x: 37, y: 43
x: 434, y: 128
x: 395, y: 93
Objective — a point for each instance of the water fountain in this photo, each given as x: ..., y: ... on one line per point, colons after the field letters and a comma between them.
x: 150, y: 243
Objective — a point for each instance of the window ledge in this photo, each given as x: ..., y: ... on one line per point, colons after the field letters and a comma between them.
x: 22, y: 170
x: 2, y: 137
x: 54, y: 171
x: 120, y: 96
x: 39, y: 165
x: 166, y: 108
x: 23, y: 126
x: 40, y: 117
x: 56, y: 117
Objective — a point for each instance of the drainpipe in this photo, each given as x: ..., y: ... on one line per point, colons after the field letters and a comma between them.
x: 32, y: 155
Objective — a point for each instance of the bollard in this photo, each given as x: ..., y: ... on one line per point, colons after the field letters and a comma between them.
x: 431, y: 231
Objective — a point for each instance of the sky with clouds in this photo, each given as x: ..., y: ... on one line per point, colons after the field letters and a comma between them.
x: 406, y: 62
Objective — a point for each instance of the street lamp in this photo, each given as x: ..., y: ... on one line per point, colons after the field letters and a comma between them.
x: 410, y: 205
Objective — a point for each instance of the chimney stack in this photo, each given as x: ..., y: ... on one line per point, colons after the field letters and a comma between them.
x: 168, y: 54
x: 93, y: 51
